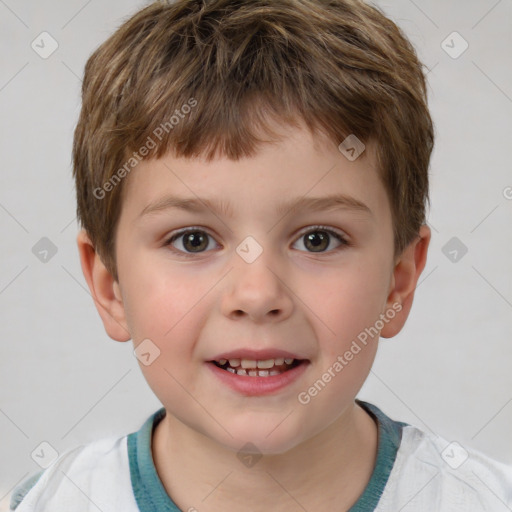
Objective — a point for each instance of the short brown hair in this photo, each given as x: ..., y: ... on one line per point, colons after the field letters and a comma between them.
x: 340, y: 66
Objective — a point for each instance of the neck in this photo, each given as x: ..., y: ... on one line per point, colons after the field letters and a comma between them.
x: 330, y: 469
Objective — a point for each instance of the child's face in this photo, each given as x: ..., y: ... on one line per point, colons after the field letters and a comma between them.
x: 200, y: 297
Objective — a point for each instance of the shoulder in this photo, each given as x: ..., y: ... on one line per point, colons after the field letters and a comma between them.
x: 431, y: 473
x: 22, y: 489
x: 101, y: 468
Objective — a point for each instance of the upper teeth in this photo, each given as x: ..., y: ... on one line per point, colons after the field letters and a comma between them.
x: 251, y: 363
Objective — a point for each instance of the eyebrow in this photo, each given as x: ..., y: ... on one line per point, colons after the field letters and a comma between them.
x: 195, y: 204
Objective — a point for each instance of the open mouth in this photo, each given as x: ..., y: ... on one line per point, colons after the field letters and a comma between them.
x: 258, y: 368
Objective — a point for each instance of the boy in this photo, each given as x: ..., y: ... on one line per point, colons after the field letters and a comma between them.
x: 251, y: 180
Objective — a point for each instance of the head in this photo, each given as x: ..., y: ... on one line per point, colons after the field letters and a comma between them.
x: 242, y: 106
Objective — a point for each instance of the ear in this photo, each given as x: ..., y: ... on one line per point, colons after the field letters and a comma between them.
x: 408, y: 268
x: 104, y: 289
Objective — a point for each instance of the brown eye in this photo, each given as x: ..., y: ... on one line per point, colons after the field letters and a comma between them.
x: 195, y: 241
x: 318, y: 240
x: 190, y: 241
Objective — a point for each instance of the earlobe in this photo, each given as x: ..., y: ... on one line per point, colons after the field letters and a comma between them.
x: 104, y: 290
x: 404, y: 281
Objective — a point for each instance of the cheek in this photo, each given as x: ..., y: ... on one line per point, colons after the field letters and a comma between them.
x: 168, y: 310
x: 160, y: 299
x: 351, y: 303
x: 348, y: 301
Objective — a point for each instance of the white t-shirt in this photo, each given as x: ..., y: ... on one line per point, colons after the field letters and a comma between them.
x: 414, y: 472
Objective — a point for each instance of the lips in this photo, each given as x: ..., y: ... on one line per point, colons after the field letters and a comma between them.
x: 256, y: 381
x: 252, y: 363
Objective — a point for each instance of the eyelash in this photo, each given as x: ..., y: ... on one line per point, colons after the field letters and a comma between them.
x: 338, y: 236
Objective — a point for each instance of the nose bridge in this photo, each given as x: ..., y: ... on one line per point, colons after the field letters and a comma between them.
x: 255, y: 287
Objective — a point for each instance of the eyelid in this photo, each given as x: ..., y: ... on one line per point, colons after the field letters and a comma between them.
x: 319, y: 227
x: 182, y: 231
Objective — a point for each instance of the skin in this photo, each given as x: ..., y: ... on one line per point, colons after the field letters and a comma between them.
x: 291, y: 297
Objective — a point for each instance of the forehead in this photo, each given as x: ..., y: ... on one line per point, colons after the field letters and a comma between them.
x: 298, y: 168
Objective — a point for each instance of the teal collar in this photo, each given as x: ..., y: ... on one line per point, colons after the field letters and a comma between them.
x: 150, y: 493
x: 390, y: 436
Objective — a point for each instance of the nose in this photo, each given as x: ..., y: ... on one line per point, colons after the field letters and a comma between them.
x: 257, y: 291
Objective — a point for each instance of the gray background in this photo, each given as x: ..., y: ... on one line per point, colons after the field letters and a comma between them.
x: 64, y: 382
